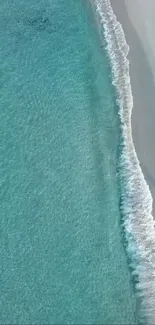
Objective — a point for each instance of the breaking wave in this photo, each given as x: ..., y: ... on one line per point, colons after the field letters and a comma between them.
x: 136, y: 199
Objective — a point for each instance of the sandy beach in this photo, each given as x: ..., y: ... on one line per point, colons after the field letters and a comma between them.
x: 138, y: 20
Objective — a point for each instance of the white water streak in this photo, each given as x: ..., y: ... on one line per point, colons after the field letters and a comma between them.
x: 136, y: 198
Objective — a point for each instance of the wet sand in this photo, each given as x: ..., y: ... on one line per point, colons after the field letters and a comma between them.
x: 138, y: 20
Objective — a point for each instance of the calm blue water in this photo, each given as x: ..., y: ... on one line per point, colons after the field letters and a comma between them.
x: 62, y: 255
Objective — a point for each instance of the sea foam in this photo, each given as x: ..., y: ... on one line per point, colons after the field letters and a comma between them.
x: 136, y: 199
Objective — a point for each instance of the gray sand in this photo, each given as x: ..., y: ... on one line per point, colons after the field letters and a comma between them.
x: 137, y: 22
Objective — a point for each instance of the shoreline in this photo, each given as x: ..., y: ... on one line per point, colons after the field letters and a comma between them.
x: 143, y: 90
x: 128, y: 70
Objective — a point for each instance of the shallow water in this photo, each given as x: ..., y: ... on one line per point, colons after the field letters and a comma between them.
x: 62, y: 255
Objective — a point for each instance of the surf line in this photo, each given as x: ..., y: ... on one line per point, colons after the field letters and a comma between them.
x: 136, y: 199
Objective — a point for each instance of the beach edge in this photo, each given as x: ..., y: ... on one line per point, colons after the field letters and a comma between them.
x: 136, y: 199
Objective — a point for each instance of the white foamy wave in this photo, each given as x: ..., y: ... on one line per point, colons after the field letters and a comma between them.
x: 136, y: 198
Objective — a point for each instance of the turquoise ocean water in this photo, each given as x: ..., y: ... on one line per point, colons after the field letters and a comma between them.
x: 62, y: 254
